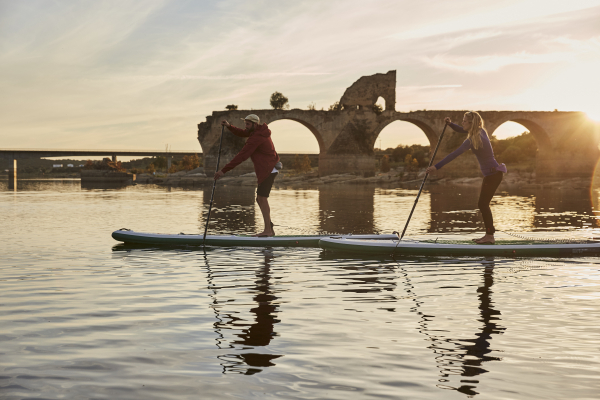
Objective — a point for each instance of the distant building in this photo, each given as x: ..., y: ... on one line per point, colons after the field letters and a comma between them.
x: 57, y: 165
x: 69, y: 165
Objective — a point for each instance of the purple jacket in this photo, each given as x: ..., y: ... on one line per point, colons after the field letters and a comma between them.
x: 485, y: 154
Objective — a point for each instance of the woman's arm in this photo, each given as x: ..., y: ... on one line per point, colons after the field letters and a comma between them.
x: 463, y: 147
x: 457, y: 128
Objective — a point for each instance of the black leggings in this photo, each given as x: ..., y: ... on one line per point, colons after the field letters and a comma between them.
x: 488, y: 188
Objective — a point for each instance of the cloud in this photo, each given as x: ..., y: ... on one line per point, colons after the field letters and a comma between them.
x: 482, y: 64
x: 429, y: 87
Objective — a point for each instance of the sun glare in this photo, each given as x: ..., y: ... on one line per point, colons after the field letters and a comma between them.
x: 594, y: 115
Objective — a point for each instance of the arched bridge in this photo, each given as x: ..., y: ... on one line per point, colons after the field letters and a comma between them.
x: 567, y: 141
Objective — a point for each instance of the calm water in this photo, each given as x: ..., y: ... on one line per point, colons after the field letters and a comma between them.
x: 82, y: 317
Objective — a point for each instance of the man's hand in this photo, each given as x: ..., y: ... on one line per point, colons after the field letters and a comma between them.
x: 431, y: 169
x: 219, y: 175
x: 447, y: 120
x: 225, y: 123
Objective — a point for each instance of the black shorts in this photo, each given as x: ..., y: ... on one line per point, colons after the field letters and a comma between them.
x: 264, y: 188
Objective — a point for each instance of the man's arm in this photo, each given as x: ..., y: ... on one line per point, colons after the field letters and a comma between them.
x: 237, y: 131
x: 243, y: 155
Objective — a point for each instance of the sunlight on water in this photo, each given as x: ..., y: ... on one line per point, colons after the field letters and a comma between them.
x: 82, y: 316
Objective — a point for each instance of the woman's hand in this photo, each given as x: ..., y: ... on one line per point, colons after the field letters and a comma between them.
x: 431, y: 169
x: 218, y: 175
x: 447, y: 120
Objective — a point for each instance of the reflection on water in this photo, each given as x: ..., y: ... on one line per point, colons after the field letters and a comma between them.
x: 78, y: 320
x: 254, y: 335
x: 464, y: 356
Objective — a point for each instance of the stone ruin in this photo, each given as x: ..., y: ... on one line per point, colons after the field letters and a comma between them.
x: 367, y: 89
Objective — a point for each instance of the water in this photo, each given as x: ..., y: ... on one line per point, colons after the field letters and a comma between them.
x: 81, y: 317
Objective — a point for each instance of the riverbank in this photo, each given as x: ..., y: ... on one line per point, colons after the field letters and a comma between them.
x: 391, y: 178
x: 293, y: 179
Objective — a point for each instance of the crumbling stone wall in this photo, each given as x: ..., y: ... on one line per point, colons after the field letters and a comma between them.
x: 367, y: 89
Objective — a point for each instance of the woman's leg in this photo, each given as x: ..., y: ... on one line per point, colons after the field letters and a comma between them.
x: 488, y: 188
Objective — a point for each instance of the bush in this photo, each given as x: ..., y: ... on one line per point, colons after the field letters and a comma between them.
x: 302, y: 164
x: 512, y: 154
x: 151, y: 169
x: 377, y: 109
x: 525, y: 143
x: 231, y: 107
x: 336, y: 106
x: 385, y: 164
x: 410, y: 163
x: 279, y: 102
x: 420, y: 153
x: 312, y: 106
x: 190, y: 162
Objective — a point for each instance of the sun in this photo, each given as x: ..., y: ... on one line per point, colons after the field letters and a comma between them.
x: 594, y: 114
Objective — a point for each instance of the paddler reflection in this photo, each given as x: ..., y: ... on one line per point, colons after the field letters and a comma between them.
x: 462, y: 357
x: 252, y: 339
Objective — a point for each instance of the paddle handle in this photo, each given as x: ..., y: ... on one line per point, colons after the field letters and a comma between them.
x: 212, y: 195
x: 423, y: 183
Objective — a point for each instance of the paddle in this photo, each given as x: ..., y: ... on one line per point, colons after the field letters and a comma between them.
x: 423, y: 183
x: 214, y: 185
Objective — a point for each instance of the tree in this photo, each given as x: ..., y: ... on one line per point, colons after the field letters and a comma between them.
x: 231, y: 107
x: 190, y: 162
x: 410, y: 163
x: 302, y: 164
x: 385, y: 164
x: 279, y: 101
x: 160, y: 163
x: 312, y: 106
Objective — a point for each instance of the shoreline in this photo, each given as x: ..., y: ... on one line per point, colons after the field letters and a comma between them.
x: 188, y: 180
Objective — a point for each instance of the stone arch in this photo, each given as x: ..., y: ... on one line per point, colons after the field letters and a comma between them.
x: 426, y: 128
x: 539, y: 134
x: 308, y: 125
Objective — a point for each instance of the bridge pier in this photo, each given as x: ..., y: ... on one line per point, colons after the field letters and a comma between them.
x: 12, y: 173
x: 169, y: 159
x: 114, y: 158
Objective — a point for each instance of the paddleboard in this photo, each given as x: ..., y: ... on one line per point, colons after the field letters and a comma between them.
x: 128, y: 236
x: 508, y: 248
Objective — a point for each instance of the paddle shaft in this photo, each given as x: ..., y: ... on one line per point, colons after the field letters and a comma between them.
x: 212, y: 195
x: 423, y: 183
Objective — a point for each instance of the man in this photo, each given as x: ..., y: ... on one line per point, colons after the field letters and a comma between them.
x: 259, y: 147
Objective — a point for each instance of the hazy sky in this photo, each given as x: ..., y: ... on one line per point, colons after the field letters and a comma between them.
x: 142, y: 74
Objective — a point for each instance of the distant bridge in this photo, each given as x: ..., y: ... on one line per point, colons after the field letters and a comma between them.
x: 12, y: 155
x: 567, y: 142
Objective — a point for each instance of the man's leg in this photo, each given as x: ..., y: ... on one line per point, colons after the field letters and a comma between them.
x: 262, y: 198
x: 263, y: 204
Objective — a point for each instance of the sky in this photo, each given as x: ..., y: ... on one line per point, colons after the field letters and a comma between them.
x: 141, y: 75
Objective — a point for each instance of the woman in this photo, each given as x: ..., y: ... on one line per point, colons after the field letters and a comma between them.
x: 479, y: 142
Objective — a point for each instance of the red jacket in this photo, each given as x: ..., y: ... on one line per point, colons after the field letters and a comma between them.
x: 259, y: 147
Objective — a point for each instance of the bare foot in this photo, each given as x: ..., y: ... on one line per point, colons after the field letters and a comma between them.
x: 265, y: 233
x: 486, y: 239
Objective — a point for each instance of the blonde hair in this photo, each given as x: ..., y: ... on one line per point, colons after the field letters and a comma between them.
x: 477, y: 125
